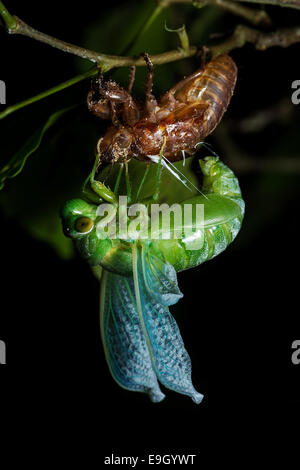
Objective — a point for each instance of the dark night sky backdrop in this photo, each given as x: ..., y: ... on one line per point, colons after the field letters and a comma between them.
x: 239, y: 314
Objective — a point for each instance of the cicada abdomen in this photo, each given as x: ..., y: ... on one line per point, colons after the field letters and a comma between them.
x: 223, y: 215
x: 223, y: 195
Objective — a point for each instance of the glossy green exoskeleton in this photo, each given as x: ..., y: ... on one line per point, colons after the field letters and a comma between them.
x: 141, y: 339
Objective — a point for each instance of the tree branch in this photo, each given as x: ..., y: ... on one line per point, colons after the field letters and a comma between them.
x: 281, y: 3
x: 253, y: 16
x: 243, y: 34
x: 106, y: 62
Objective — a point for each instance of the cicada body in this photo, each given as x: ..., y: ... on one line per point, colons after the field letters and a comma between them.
x: 141, y: 339
x: 183, y: 118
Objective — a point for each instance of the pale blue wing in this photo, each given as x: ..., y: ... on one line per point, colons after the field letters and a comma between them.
x: 160, y: 279
x: 125, y: 345
x: 169, y: 357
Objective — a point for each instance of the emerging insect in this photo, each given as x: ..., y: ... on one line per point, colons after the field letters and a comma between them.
x: 141, y: 339
x: 184, y: 116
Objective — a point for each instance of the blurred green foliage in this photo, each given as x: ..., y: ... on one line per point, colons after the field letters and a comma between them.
x: 18, y: 160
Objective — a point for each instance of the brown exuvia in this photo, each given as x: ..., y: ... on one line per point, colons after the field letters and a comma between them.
x: 183, y: 117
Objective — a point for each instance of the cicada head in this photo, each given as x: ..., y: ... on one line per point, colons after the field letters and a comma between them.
x: 82, y: 222
x: 115, y: 146
x: 79, y: 219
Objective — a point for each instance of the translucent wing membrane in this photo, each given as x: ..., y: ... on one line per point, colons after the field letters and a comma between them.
x: 124, y: 342
x: 141, y: 339
x: 160, y: 279
x: 169, y: 357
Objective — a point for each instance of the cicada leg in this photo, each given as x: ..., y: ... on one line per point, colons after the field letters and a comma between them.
x: 104, y: 192
x: 155, y: 196
x: 128, y: 185
x: 142, y: 182
x: 97, y: 189
x: 131, y: 79
x: 117, y: 183
x: 150, y: 102
x: 158, y: 173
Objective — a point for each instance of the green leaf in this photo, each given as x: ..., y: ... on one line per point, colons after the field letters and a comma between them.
x: 18, y: 160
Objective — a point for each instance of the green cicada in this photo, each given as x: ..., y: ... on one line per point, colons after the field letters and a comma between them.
x: 141, y: 339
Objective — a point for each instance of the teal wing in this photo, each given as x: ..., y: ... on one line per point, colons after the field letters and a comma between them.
x: 156, y: 288
x: 141, y: 339
x: 160, y: 278
x: 123, y: 338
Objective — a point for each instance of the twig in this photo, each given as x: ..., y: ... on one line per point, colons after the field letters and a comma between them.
x: 182, y: 36
x: 281, y: 3
x: 9, y: 20
x: 253, y: 16
x: 106, y: 62
x: 243, y: 34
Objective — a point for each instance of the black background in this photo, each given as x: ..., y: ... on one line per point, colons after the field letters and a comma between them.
x: 238, y: 318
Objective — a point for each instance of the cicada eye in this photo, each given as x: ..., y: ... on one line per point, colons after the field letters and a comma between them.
x: 84, y: 224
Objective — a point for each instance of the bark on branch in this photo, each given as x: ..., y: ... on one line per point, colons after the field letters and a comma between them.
x: 105, y: 61
x: 280, y: 3
x: 284, y: 37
